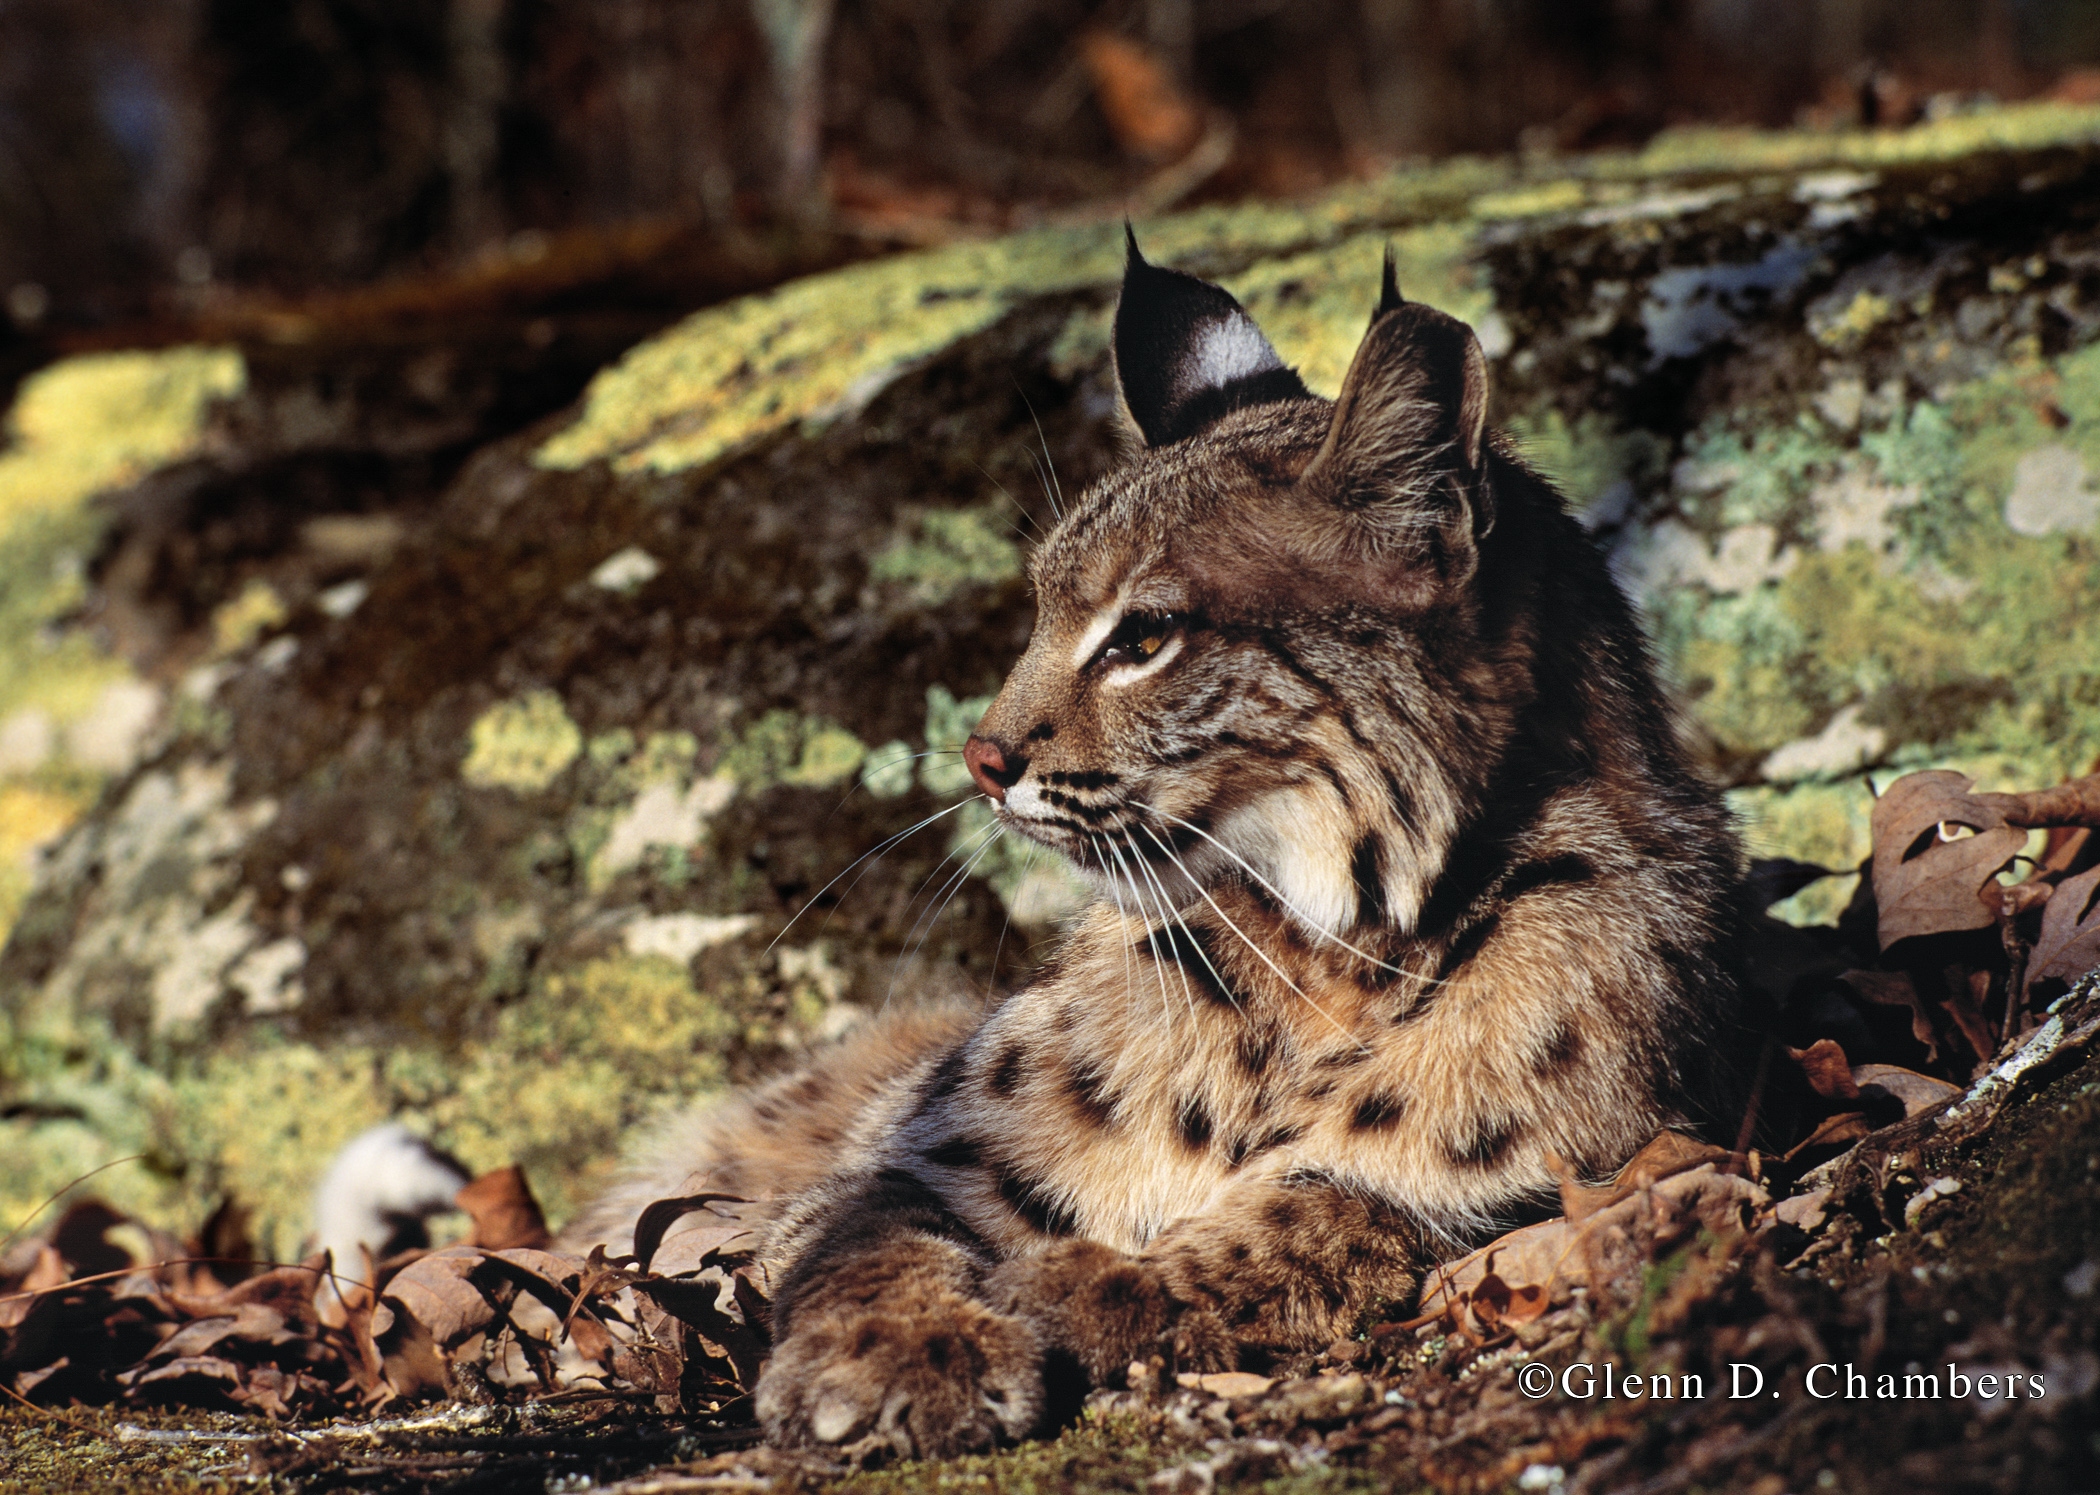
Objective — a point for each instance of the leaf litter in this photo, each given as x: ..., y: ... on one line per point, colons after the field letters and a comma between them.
x: 1903, y: 1052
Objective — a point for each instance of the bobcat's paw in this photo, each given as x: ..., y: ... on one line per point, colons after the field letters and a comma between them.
x: 930, y: 1379
x: 1107, y: 1309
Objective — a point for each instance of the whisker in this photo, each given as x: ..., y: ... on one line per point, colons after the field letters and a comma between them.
x: 1115, y: 891
x: 916, y: 941
x: 1204, y: 955
x: 1056, y: 498
x: 1277, y: 893
x: 1250, y: 944
x: 1166, y: 906
x: 1030, y: 518
x: 876, y: 851
x: 1159, y: 966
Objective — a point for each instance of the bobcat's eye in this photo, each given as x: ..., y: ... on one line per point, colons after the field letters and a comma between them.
x: 1139, y: 637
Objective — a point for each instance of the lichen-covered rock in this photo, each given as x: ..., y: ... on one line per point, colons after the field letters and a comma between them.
x: 529, y: 805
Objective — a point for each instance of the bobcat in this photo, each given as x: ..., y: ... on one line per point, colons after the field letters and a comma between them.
x: 1409, y: 901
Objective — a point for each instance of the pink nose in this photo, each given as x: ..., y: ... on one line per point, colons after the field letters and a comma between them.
x: 993, y: 770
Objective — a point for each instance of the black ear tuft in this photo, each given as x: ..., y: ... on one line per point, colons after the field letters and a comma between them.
x: 1389, y: 297
x: 1186, y: 353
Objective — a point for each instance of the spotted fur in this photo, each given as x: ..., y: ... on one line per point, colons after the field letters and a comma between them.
x: 1407, y: 899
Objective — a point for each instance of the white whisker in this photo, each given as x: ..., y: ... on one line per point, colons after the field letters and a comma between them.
x: 1159, y: 966
x: 916, y: 940
x: 1166, y: 906
x: 1303, y: 918
x: 876, y: 851
x: 1204, y: 893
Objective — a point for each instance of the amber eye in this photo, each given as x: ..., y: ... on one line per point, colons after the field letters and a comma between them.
x: 1139, y: 637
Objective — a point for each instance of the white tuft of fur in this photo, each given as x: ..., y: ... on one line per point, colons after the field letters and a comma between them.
x: 1225, y: 350
x: 1300, y: 837
x: 382, y: 1179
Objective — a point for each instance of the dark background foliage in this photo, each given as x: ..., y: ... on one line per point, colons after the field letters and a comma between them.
x: 152, y: 156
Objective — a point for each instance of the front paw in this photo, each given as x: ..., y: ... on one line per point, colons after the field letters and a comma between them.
x: 1107, y: 1309
x: 930, y: 1379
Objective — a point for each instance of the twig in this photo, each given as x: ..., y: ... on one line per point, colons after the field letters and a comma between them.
x: 2074, y: 803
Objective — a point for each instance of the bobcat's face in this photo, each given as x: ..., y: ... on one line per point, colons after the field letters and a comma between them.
x: 1252, y: 657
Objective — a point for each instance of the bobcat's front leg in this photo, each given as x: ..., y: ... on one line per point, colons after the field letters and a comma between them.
x: 883, y: 1339
x: 1282, y: 1265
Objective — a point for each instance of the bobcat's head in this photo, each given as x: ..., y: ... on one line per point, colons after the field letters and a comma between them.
x: 1260, y: 649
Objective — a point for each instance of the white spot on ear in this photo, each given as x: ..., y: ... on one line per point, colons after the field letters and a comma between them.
x: 1225, y: 350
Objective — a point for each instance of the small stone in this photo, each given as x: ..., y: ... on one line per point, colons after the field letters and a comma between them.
x: 2050, y: 494
x: 626, y: 571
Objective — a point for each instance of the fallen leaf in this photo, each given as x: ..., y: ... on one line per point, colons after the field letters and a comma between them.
x: 657, y: 1219
x: 1918, y: 1093
x: 1896, y: 989
x: 1670, y: 1153
x: 1557, y: 1256
x: 2069, y: 944
x: 1935, y: 846
x: 1964, y: 992
x: 1803, y: 1211
x: 1834, y: 1131
x: 435, y: 1292
x: 504, y: 1213
x: 224, y: 1375
x: 1829, y: 1071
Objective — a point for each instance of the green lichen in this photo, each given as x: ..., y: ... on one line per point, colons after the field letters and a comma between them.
x: 890, y: 770
x: 785, y: 747
x: 1962, y: 642
x: 523, y: 744
x: 949, y: 723
x: 952, y: 549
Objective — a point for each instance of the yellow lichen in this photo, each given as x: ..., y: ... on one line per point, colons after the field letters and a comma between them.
x: 250, y: 613
x: 78, y: 428
x: 782, y: 747
x: 90, y: 424
x: 1314, y: 306
x: 2026, y: 127
x: 523, y: 744
x: 1531, y: 201
x: 815, y: 348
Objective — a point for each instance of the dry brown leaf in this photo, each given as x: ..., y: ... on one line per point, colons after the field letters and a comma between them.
x: 504, y: 1213
x: 1833, y: 1131
x: 2069, y: 944
x: 657, y: 1219
x: 1670, y: 1153
x: 1963, y: 994
x: 1829, y: 1072
x: 436, y: 1293
x: 1918, y: 1093
x: 1929, y: 870
x: 1556, y: 1256
x: 49, y: 1271
x: 1146, y: 111
x: 2075, y: 802
x: 1896, y: 989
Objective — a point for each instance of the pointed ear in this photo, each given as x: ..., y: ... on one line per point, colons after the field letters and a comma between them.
x: 1407, y: 442
x: 1186, y: 353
